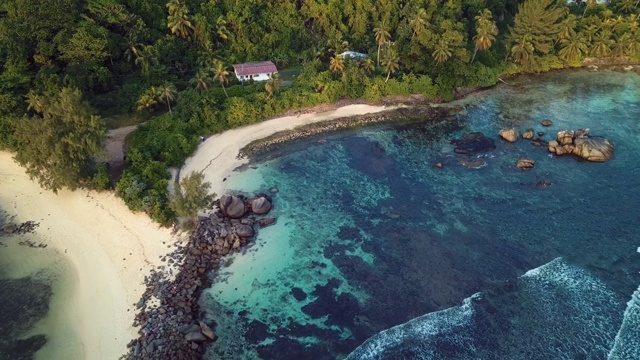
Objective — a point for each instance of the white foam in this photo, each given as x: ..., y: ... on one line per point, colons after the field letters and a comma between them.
x: 584, y: 297
x: 423, y: 327
x: 626, y: 345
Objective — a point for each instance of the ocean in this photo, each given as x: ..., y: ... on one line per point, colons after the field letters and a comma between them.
x: 379, y: 254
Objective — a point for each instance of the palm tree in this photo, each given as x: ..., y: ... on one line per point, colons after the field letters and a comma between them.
x: 220, y: 73
x: 178, y: 20
x: 200, y: 81
x: 627, y: 6
x: 573, y: 48
x: 602, y: 44
x: 419, y: 22
x: 589, y: 33
x: 273, y: 84
x: 567, y: 27
x: 382, y: 37
x: 146, y: 101
x: 589, y: 4
x: 442, y: 52
x: 221, y: 28
x: 146, y: 58
x: 486, y: 31
x: 522, y: 51
x: 368, y: 66
x: 621, y: 47
x: 391, y: 61
x: 167, y: 94
x: 35, y: 102
x: 336, y: 64
x: 131, y: 52
x: 633, y: 46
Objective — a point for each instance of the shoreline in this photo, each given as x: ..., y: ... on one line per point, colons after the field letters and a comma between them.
x: 109, y: 250
x: 224, y: 148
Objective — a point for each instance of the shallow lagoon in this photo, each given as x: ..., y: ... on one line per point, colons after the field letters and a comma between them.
x: 371, y: 235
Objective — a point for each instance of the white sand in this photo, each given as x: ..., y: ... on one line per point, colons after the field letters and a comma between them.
x: 216, y: 157
x: 96, y: 232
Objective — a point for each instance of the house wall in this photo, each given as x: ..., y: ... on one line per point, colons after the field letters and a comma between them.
x: 256, y: 77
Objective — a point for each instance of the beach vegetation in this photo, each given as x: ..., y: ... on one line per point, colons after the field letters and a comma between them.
x: 61, y: 142
x: 190, y: 195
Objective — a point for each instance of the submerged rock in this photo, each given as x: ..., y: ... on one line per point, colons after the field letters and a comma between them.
x: 525, y: 164
x: 546, y: 122
x: 473, y: 143
x: 266, y: 222
x: 509, y: 134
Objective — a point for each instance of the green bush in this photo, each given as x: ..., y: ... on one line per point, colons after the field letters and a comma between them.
x: 101, y: 179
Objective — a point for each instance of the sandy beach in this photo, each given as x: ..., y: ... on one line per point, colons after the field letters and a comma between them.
x: 216, y: 156
x: 109, y: 248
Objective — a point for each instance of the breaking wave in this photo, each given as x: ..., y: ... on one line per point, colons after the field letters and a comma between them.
x: 555, y: 311
x: 627, y: 342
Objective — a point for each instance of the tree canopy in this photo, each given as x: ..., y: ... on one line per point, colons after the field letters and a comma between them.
x: 60, y: 145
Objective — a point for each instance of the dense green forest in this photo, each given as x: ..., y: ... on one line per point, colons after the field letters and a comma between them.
x: 70, y: 69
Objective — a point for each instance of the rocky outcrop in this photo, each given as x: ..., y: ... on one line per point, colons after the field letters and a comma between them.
x: 525, y: 164
x: 169, y: 316
x: 579, y: 143
x: 261, y: 206
x: 509, y: 134
x: 596, y: 149
x: 546, y: 122
x: 232, y: 206
x: 473, y: 143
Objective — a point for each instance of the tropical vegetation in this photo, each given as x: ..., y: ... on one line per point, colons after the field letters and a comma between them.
x: 68, y: 67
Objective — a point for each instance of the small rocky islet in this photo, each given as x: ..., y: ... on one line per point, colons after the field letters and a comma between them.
x: 578, y: 142
x: 171, y: 323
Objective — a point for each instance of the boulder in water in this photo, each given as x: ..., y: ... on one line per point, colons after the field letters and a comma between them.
x: 261, y: 206
x: 528, y: 134
x: 546, y: 122
x: 525, y: 164
x: 509, y: 134
x: 595, y: 148
x: 266, y: 222
x: 473, y: 143
x: 206, y: 331
x: 232, y: 206
x: 244, y: 230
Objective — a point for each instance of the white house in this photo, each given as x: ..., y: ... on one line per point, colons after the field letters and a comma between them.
x: 258, y: 71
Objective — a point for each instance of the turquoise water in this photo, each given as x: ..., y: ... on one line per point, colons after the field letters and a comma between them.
x: 376, y: 249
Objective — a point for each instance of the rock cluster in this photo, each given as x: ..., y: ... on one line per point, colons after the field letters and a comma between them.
x: 579, y: 143
x: 169, y: 317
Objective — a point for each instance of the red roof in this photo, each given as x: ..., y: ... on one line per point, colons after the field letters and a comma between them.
x: 264, y: 67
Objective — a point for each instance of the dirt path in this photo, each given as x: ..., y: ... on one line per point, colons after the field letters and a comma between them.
x: 114, y: 149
